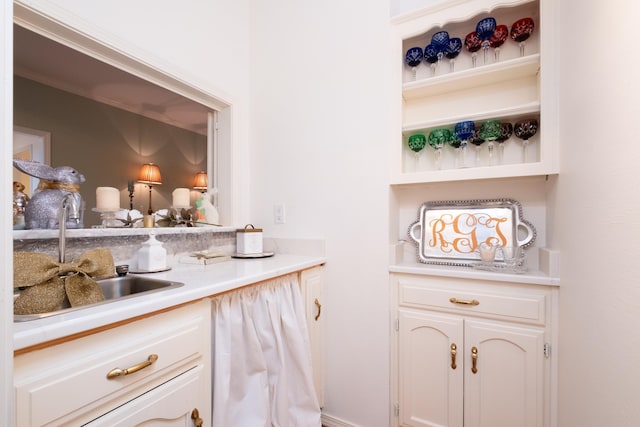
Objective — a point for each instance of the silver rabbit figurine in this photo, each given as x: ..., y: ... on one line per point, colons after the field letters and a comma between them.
x: 55, y: 183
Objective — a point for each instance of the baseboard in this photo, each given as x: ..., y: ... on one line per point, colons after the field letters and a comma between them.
x: 329, y: 421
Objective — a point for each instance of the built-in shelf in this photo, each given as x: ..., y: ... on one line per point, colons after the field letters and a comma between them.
x: 473, y: 173
x: 473, y: 77
x: 510, y: 113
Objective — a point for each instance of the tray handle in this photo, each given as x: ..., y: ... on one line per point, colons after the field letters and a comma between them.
x: 530, y: 233
x: 412, y: 232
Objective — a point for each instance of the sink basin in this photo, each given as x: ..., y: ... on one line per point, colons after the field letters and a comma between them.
x: 114, y: 289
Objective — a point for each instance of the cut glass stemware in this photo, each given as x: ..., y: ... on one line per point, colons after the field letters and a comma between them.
x: 440, y: 41
x: 490, y: 131
x: 437, y: 139
x: 413, y: 58
x: 521, y: 30
x: 497, y: 39
x: 456, y: 144
x: 473, y: 44
x: 431, y: 57
x: 525, y: 129
x: 485, y: 29
x: 464, y: 130
x: 453, y: 50
x: 416, y: 143
x: 505, y: 133
x: 477, y: 140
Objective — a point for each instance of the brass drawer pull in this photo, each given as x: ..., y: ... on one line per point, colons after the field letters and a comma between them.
x: 195, y: 416
x: 474, y: 360
x: 319, y: 306
x: 463, y: 301
x: 454, y: 352
x: 117, y: 372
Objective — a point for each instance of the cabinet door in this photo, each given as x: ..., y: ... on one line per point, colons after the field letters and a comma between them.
x: 171, y: 404
x: 430, y: 380
x: 507, y: 387
x: 311, y: 281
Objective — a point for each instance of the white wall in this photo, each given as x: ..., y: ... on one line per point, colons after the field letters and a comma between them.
x: 598, y: 214
x: 319, y: 145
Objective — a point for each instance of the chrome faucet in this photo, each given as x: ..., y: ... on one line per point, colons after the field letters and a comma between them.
x: 70, y: 202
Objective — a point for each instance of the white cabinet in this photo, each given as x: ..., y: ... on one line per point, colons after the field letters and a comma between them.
x: 311, y: 281
x: 150, y: 370
x: 471, y: 353
x: 509, y: 89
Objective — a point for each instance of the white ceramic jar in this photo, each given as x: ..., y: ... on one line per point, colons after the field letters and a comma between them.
x: 152, y: 256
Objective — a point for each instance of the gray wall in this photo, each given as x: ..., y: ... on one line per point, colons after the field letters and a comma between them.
x: 108, y: 145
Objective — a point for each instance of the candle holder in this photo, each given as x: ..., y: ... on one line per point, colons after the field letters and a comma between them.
x: 108, y: 217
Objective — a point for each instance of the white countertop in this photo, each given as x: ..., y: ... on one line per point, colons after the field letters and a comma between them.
x: 533, y: 277
x: 199, y: 281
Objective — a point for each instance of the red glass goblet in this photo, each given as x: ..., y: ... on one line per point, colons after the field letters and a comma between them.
x: 497, y: 39
x: 521, y: 30
x: 473, y: 44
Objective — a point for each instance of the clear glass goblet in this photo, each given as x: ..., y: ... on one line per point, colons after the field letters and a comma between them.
x: 437, y: 139
x: 521, y: 30
x: 505, y: 134
x: 416, y: 143
x: 473, y: 44
x: 490, y: 131
x: 413, y: 58
x: 464, y: 130
x: 485, y: 29
x: 525, y: 129
x: 497, y: 39
x: 453, y: 50
x: 431, y: 57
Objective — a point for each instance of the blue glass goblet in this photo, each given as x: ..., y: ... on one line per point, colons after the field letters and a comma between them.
x: 464, y: 130
x: 431, y: 56
x: 413, y: 58
x: 453, y: 50
x: 440, y: 41
x: 485, y: 29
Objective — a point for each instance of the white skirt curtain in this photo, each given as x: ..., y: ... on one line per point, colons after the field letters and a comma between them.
x: 261, y: 358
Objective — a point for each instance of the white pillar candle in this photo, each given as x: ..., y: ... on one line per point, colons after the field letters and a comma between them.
x: 107, y: 198
x: 181, y: 197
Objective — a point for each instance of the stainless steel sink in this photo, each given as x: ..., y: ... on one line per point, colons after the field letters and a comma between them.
x: 114, y: 289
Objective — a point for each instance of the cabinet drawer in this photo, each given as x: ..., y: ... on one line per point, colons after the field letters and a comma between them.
x: 54, y: 382
x: 508, y: 302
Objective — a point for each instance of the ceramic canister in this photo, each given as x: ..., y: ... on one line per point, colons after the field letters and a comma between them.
x: 249, y: 240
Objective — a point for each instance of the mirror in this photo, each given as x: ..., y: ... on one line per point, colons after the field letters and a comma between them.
x: 107, y: 123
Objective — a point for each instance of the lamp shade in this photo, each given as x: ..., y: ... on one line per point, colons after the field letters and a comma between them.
x: 200, y: 182
x: 150, y: 174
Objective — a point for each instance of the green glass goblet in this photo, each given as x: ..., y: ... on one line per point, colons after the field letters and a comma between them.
x: 490, y: 131
x: 458, y: 145
x: 437, y: 139
x: 416, y: 143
